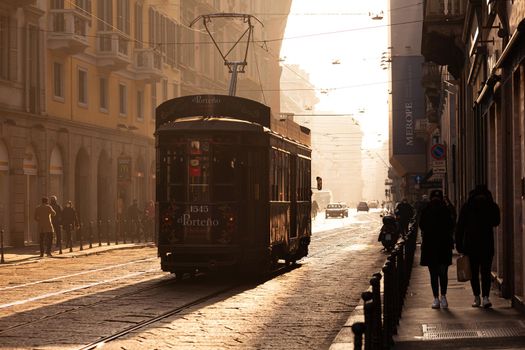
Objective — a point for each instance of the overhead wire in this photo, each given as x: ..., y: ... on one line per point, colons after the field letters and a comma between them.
x: 127, y: 37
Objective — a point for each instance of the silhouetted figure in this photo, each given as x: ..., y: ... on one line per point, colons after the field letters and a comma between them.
x: 69, y: 221
x: 475, y: 238
x: 404, y: 212
x: 57, y: 220
x: 437, y: 224
x: 43, y: 214
x: 133, y: 217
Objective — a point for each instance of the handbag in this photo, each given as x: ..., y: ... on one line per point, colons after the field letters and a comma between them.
x: 463, y: 268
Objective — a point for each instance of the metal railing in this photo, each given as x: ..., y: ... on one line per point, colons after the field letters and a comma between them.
x: 381, y: 317
x: 98, y: 233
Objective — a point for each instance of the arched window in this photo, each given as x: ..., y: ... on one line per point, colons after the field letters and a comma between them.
x: 56, y: 170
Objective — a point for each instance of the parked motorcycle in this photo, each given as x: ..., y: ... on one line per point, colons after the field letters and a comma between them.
x: 389, y: 233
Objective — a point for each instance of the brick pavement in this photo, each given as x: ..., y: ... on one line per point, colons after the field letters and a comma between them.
x: 460, y: 326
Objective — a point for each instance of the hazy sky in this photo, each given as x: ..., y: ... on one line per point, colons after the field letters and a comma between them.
x: 320, y: 32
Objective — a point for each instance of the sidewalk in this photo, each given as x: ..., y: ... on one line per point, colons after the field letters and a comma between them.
x: 31, y: 253
x: 459, y: 327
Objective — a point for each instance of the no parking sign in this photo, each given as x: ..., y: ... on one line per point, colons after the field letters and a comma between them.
x: 438, y: 151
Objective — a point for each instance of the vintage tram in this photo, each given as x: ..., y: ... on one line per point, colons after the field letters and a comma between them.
x: 230, y: 191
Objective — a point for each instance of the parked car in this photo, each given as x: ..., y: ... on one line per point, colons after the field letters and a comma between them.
x: 362, y: 206
x: 336, y: 210
x: 373, y: 204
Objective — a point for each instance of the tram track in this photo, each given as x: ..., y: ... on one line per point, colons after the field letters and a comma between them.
x: 58, y: 278
x: 178, y: 309
x: 169, y: 281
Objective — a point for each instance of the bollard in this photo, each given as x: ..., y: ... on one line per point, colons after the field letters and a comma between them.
x: 59, y: 241
x: 2, y: 246
x: 387, y: 305
x: 99, y: 228
x: 369, y: 314
x: 394, y: 291
x: 139, y: 231
x: 377, y: 334
x: 108, y: 224
x: 80, y: 236
x: 117, y: 230
x: 69, y: 238
x: 91, y: 234
x: 123, y: 229
x: 358, y: 328
x: 132, y: 230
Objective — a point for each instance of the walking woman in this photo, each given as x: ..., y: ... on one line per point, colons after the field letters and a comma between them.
x: 475, y: 238
x: 437, y: 224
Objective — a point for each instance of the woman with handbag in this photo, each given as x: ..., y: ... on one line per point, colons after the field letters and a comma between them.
x: 437, y: 224
x: 475, y: 238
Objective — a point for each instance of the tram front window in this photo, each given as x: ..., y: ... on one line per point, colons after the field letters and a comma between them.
x: 224, y: 165
x: 199, y: 171
x: 175, y: 160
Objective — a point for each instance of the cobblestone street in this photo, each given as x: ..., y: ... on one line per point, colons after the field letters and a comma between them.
x: 58, y: 303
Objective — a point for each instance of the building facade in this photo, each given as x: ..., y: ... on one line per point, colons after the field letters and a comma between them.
x: 79, y: 84
x: 478, y: 49
x: 408, y: 153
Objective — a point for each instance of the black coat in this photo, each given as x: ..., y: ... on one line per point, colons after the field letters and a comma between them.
x: 69, y: 217
x: 436, y: 224
x: 474, y: 231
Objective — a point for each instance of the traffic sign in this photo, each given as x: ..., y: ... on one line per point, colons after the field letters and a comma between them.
x: 438, y: 151
x: 439, y: 170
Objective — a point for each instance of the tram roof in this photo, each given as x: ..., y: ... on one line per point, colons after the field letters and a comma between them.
x: 225, y: 107
x: 219, y: 106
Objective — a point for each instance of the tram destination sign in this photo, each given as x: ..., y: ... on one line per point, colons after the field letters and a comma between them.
x: 213, y: 106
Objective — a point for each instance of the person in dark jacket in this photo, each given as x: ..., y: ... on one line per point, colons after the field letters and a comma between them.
x: 69, y: 221
x: 57, y: 220
x: 43, y: 217
x: 475, y: 238
x: 436, y: 224
x: 405, y: 212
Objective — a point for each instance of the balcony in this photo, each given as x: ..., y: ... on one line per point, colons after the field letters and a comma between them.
x: 113, y: 50
x: 431, y: 76
x: 147, y: 64
x: 442, y: 28
x: 68, y: 29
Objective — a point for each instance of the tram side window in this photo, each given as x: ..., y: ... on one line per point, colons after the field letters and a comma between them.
x: 280, y: 176
x: 303, y: 180
x: 175, y: 161
x: 224, y: 165
x: 286, y: 176
x: 299, y: 179
x: 274, y: 193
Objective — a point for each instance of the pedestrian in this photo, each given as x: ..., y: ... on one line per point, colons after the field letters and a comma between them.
x: 405, y: 213
x: 475, y: 238
x: 133, y: 216
x: 43, y: 214
x: 57, y: 221
x: 69, y: 221
x: 149, y: 217
x: 437, y: 224
x: 452, y: 208
x: 419, y: 206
